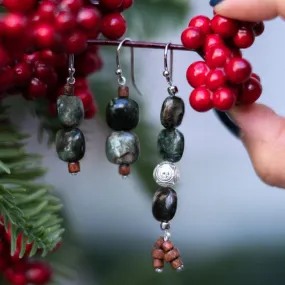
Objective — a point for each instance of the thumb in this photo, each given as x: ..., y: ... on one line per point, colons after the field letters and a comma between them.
x: 250, y: 10
x: 263, y: 134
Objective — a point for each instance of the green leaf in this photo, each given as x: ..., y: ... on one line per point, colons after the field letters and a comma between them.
x: 4, y: 168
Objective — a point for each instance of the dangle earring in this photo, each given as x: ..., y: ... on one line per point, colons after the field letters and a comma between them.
x: 122, y: 115
x: 166, y: 174
x: 70, y: 141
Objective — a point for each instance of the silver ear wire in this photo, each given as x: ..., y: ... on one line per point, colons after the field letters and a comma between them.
x: 119, y: 71
x: 71, y: 70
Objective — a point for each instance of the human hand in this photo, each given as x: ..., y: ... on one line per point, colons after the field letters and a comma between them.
x: 262, y: 130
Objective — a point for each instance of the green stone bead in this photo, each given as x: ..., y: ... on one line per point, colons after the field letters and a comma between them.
x: 70, y: 110
x: 122, y: 148
x: 70, y: 145
x: 170, y: 145
x: 172, y: 112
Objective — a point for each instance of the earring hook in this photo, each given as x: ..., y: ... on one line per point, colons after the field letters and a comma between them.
x: 119, y: 72
x: 168, y: 73
x: 71, y: 70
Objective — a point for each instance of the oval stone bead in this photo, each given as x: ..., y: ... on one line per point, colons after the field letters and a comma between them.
x: 70, y: 145
x: 172, y: 112
x: 122, y: 148
x: 122, y: 114
x: 170, y: 145
x: 164, y: 204
x: 70, y: 110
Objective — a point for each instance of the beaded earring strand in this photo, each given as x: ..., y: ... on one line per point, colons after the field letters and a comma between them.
x: 70, y: 141
x: 166, y: 174
x: 122, y: 115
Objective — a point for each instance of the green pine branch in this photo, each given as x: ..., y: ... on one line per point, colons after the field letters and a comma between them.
x: 26, y: 207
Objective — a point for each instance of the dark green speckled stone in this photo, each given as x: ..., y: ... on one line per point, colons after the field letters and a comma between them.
x: 172, y: 112
x: 122, y: 114
x: 70, y: 110
x: 170, y: 145
x: 70, y: 145
x: 122, y: 148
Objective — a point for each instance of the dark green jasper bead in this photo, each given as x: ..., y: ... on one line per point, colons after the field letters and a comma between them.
x: 170, y: 145
x: 164, y: 204
x: 122, y: 148
x: 70, y: 110
x: 70, y: 144
x: 172, y: 112
x: 122, y: 114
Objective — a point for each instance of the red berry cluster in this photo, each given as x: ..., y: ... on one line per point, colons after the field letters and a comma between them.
x: 22, y: 271
x: 224, y: 78
x: 37, y: 36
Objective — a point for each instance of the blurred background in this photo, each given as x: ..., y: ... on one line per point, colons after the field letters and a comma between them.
x: 229, y: 226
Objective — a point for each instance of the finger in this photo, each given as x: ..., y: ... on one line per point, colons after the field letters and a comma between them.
x: 263, y: 134
x: 250, y: 10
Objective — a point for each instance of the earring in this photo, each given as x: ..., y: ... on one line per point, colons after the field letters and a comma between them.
x: 122, y: 115
x: 70, y: 141
x: 166, y: 174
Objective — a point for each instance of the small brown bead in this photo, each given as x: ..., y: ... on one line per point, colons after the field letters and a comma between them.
x: 158, y: 253
x: 123, y: 91
x: 167, y: 246
x: 124, y: 169
x: 157, y: 263
x: 172, y: 255
x: 68, y: 89
x: 176, y: 263
x: 74, y: 167
x: 159, y: 242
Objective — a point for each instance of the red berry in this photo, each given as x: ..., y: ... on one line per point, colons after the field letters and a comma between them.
x: 46, y: 11
x: 215, y: 79
x: 235, y: 52
x: 37, y: 89
x: 4, y: 58
x: 86, y: 98
x: 76, y: 42
x: 38, y: 273
x: 217, y: 56
x: 111, y: 4
x: 23, y: 73
x: 15, y: 25
x: 238, y: 70
x: 258, y: 29
x: 127, y: 4
x: 223, y: 26
x: 197, y: 73
x: 86, y: 64
x: 65, y: 21
x: 31, y: 58
x: 89, y: 19
x: 201, y: 99
x: 21, y: 6
x: 3, y: 262
x: 244, y: 38
x: 61, y: 60
x: 48, y: 57
x: 212, y: 40
x: 15, y: 278
x: 91, y: 112
x: 7, y: 78
x: 256, y: 76
x: 192, y: 38
x: 72, y: 5
x: 113, y: 26
x: 44, y: 35
x: 250, y: 92
x: 81, y: 83
x: 224, y: 99
x: 201, y: 22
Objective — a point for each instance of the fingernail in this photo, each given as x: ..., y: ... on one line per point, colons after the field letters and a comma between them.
x: 213, y: 3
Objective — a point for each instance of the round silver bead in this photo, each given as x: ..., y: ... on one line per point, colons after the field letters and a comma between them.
x: 166, y: 174
x: 180, y: 268
x: 166, y: 73
x: 158, y: 270
x: 165, y: 226
x: 119, y: 71
x: 172, y: 90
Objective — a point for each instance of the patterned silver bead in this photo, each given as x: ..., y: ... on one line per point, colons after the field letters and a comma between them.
x: 158, y: 270
x: 166, y: 174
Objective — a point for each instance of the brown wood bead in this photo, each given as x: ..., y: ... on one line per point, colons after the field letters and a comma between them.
x: 158, y: 253
x: 176, y: 263
x: 159, y: 242
x: 123, y: 91
x: 124, y: 169
x: 68, y: 89
x: 172, y: 255
x: 157, y: 263
x: 167, y: 246
x: 74, y: 167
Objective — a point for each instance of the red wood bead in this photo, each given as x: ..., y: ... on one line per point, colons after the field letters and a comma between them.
x: 159, y: 242
x: 216, y: 78
x: 223, y: 26
x: 167, y: 246
x: 224, y: 99
x: 157, y: 253
x: 172, y: 255
x: 244, y: 38
x: 238, y: 70
x: 192, y: 38
x: 250, y: 92
x: 201, y: 22
x: 201, y: 99
x: 74, y: 167
x: 197, y: 73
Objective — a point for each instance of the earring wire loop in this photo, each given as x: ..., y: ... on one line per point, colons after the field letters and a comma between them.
x: 71, y: 70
